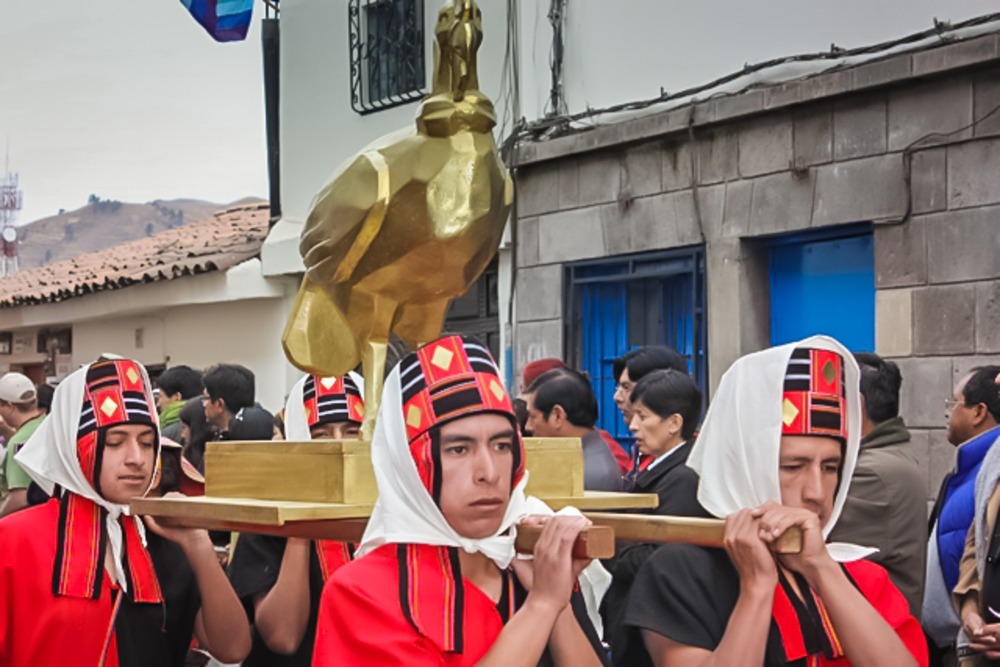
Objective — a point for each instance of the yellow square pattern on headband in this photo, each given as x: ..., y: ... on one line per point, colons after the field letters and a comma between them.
x: 789, y: 412
x: 108, y: 406
x: 442, y: 358
x: 414, y: 416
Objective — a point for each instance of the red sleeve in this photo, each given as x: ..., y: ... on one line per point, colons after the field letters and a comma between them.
x: 357, y: 629
x: 874, y: 583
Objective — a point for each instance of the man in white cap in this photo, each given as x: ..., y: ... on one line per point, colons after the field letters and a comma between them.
x: 19, y: 409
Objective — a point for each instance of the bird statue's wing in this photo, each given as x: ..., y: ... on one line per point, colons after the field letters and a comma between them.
x: 345, y: 218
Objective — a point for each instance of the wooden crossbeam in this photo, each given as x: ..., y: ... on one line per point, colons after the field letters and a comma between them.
x: 327, y: 521
x: 689, y: 530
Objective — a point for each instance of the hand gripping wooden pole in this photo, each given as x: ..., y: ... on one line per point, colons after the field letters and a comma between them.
x: 690, y: 530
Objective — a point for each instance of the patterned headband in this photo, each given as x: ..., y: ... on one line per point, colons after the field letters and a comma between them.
x: 450, y: 378
x: 332, y: 400
x: 814, y: 396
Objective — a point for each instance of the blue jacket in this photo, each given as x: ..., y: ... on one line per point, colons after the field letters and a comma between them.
x: 959, y: 505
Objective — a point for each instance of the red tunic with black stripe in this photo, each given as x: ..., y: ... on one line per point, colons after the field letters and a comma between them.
x: 688, y: 593
x: 40, y: 629
x: 408, y: 604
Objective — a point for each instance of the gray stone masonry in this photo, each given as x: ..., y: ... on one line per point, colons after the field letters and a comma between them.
x: 536, y: 340
x: 929, y: 180
x: 765, y: 145
x: 927, y: 383
x: 856, y: 190
x: 901, y: 254
x: 542, y: 300
x: 813, y: 136
x: 972, y: 176
x: 944, y: 320
x: 986, y: 90
x: 859, y: 127
x: 572, y: 235
x: 781, y: 203
x: 988, y: 317
x: 924, y: 108
x: 527, y: 241
x: 963, y: 245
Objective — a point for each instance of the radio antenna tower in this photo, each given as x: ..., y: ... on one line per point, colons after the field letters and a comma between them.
x: 11, y: 200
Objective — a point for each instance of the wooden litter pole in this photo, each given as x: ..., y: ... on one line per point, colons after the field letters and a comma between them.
x: 689, y: 530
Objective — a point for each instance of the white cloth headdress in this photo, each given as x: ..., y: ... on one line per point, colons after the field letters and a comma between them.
x: 738, y: 448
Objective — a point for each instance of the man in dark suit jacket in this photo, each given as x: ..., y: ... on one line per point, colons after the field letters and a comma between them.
x: 666, y: 408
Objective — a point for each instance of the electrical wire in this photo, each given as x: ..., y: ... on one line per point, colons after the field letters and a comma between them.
x: 559, y: 124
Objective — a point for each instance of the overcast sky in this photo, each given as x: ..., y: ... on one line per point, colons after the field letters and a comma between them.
x: 129, y: 100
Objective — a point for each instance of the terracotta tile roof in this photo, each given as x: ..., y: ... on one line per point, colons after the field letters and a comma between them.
x: 219, y: 243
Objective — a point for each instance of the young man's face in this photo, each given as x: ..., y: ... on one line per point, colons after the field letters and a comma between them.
x: 477, y: 459
x: 809, y: 469
x: 335, y: 431
x: 214, y: 409
x: 622, y: 392
x: 128, y: 463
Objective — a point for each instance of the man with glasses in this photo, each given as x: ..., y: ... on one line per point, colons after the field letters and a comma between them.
x: 973, y: 414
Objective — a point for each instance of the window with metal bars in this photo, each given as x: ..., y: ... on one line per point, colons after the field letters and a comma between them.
x: 387, y: 53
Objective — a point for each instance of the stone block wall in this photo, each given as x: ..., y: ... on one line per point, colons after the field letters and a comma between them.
x: 910, y: 143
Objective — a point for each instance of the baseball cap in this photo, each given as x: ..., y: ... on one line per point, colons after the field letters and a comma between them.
x: 17, y: 388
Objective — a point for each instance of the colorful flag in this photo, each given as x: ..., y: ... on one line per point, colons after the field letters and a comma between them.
x: 225, y: 20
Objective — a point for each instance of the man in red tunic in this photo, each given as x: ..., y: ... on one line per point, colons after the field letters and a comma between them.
x: 77, y: 584
x: 434, y: 584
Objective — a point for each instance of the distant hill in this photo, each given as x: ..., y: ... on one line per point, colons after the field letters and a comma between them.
x: 105, y: 223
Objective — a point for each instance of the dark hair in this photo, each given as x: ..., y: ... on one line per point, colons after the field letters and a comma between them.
x: 233, y: 383
x: 880, y: 383
x: 981, y: 387
x: 278, y: 423
x: 644, y: 360
x: 668, y: 392
x: 43, y: 394
x: 180, y: 379
x: 192, y: 415
x: 170, y: 470
x: 253, y: 423
x: 571, y: 390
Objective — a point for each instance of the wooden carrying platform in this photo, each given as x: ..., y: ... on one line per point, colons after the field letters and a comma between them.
x: 326, y: 490
x: 306, y: 488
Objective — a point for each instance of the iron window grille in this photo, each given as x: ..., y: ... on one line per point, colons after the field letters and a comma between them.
x: 387, y: 53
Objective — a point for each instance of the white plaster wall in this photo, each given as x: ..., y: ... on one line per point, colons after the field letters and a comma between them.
x: 244, y: 332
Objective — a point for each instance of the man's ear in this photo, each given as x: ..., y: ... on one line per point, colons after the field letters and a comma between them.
x: 559, y: 414
x: 979, y: 413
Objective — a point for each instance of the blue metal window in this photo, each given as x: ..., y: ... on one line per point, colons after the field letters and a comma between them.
x: 621, y: 303
x: 824, y: 284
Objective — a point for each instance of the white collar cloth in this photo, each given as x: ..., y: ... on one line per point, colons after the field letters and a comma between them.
x: 738, y: 448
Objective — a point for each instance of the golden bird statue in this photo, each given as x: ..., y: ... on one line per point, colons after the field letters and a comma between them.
x: 405, y: 226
